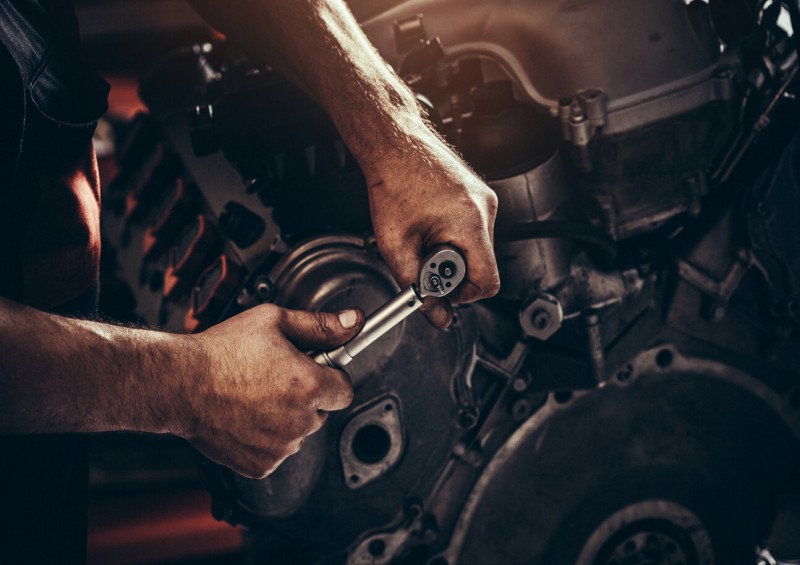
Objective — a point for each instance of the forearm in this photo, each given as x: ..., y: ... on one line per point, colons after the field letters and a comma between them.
x: 318, y: 45
x: 63, y: 375
x: 421, y: 193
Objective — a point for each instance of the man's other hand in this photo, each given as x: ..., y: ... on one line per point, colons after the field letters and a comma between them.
x: 260, y: 395
x: 423, y: 196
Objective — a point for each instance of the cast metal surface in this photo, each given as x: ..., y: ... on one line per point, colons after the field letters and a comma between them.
x: 633, y: 393
x: 372, y: 442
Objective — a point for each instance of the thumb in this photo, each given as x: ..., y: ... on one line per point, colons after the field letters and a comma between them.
x: 320, y: 330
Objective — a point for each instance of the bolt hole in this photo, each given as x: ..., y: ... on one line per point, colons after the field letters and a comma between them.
x: 388, y: 407
x: 664, y: 358
x: 376, y: 547
x: 563, y: 396
x: 433, y: 265
x: 448, y: 284
x: 371, y: 444
x: 354, y: 478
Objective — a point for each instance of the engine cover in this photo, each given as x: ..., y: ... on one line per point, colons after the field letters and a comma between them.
x: 374, y: 459
x: 631, y: 396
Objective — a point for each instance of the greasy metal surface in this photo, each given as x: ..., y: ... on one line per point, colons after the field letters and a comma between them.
x: 653, y: 436
x: 658, y: 531
x: 540, y: 194
x: 371, y: 442
x: 310, y: 489
x: 590, y: 445
x: 647, y: 56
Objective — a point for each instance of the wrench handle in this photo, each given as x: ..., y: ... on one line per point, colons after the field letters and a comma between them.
x: 378, y: 323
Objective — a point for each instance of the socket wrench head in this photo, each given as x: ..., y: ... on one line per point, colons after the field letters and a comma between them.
x: 442, y: 271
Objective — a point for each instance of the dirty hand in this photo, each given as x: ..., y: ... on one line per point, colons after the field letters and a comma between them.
x: 259, y: 395
x: 423, y: 196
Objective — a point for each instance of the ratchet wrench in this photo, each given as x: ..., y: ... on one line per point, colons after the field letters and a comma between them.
x: 442, y: 271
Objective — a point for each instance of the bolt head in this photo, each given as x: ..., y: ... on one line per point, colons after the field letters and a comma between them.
x: 541, y: 319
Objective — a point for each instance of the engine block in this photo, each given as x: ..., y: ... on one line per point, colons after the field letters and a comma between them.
x: 633, y: 393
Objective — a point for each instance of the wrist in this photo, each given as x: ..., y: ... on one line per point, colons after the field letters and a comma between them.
x: 189, y: 378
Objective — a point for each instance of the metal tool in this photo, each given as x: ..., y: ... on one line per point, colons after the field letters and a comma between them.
x: 442, y: 271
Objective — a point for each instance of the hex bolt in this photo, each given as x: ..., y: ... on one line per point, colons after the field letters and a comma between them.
x: 467, y: 417
x: 541, y: 319
x: 264, y: 289
x: 520, y: 410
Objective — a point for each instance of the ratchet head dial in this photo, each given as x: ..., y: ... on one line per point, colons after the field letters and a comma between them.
x: 442, y: 271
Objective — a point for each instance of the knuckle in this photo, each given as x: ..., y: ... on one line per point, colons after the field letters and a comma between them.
x: 256, y: 470
x: 491, y: 199
x: 345, y: 393
x: 271, y: 313
x: 312, y: 385
x: 296, y: 446
x: 322, y: 325
x: 493, y: 286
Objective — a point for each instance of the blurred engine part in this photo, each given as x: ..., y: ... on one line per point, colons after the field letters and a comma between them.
x: 633, y: 394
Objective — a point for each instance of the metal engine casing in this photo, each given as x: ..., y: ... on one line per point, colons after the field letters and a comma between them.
x: 625, y: 80
x: 623, y: 415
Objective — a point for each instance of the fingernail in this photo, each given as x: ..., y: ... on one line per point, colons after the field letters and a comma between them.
x: 348, y: 318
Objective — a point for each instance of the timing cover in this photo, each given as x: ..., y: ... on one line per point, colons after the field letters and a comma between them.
x: 409, y: 372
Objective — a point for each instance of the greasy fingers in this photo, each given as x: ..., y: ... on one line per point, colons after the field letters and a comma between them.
x: 424, y: 196
x: 438, y: 311
x: 260, y: 395
x: 483, y: 280
x: 318, y: 330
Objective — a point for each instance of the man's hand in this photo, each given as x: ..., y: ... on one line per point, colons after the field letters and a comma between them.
x: 261, y: 395
x: 421, y: 194
x: 242, y: 392
x: 427, y: 197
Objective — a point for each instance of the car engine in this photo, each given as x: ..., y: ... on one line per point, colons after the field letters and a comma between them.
x: 631, y: 396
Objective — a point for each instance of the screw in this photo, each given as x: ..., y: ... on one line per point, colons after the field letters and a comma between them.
x: 519, y: 384
x: 625, y: 373
x: 467, y: 417
x: 264, y: 289
x: 520, y: 410
x: 541, y: 319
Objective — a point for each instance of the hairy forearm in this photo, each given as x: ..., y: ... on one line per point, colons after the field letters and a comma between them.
x: 318, y: 45
x: 63, y: 375
x: 421, y: 193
